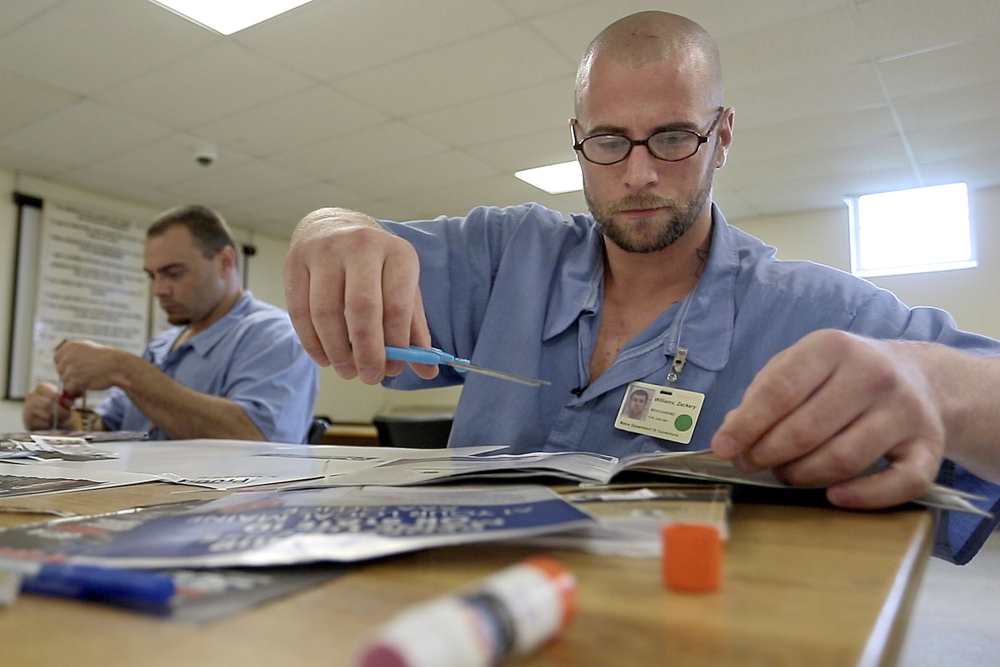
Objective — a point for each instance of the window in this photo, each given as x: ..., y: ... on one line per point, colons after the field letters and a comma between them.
x: 911, y: 231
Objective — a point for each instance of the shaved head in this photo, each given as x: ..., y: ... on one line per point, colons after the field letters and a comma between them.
x: 656, y: 37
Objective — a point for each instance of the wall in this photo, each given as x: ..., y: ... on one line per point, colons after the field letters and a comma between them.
x: 10, y: 412
x: 821, y: 236
x: 968, y: 294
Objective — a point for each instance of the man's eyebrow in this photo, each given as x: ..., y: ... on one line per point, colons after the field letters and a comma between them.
x: 161, y: 269
x: 667, y: 127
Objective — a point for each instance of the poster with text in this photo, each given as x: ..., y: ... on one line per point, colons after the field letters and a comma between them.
x: 91, y: 284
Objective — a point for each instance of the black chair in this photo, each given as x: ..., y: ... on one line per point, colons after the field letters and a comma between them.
x: 317, y: 429
x: 427, y: 431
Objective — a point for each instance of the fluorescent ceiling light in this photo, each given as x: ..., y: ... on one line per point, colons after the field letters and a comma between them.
x: 555, y: 178
x: 229, y: 16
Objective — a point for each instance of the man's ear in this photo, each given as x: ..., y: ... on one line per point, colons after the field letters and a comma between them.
x: 725, y: 137
x: 227, y: 255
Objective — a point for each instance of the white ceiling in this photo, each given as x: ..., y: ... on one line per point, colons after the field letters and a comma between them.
x: 413, y: 108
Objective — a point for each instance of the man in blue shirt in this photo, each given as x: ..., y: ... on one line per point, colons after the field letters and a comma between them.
x: 231, y: 367
x: 782, y: 365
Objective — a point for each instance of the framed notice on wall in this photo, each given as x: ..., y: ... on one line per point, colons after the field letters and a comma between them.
x: 85, y: 280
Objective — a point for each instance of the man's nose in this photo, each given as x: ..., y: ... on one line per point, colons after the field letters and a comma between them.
x: 160, y: 287
x: 641, y: 168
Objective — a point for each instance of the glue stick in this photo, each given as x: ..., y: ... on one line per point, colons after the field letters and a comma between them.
x: 510, y: 613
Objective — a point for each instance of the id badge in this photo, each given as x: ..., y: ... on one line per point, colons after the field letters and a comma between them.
x: 662, y: 412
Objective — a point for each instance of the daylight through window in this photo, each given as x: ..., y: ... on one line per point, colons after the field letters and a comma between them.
x: 911, y: 231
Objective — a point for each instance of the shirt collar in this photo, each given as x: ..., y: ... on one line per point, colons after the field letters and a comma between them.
x: 204, y: 341
x: 707, y: 327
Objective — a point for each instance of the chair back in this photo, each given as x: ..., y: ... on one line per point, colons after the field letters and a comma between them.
x: 317, y: 429
x: 427, y: 431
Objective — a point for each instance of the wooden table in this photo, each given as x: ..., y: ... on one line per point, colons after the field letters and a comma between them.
x: 364, y: 435
x: 803, y: 586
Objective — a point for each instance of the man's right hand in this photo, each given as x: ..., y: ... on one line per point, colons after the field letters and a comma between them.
x: 352, y: 288
x: 43, y: 410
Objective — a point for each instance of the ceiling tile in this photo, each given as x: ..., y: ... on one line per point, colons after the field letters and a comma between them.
x: 544, y: 106
x: 977, y: 169
x: 968, y: 139
x: 364, y: 150
x: 470, y: 70
x: 823, y: 42
x: 876, y: 156
x: 529, y: 8
x: 203, y: 87
x: 26, y: 162
x: 817, y: 133
x: 165, y: 162
x: 959, y: 66
x: 820, y: 94
x: 100, y: 44
x: 83, y: 133
x: 291, y: 121
x: 114, y: 187
x: 571, y: 30
x: 326, y: 40
x: 460, y: 199
x: 25, y: 101
x: 115, y: 95
x: 536, y: 149
x: 288, y: 207
x: 15, y: 14
x: 899, y: 27
x: 425, y: 173
x: 230, y: 186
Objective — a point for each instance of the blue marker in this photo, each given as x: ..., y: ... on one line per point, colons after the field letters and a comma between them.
x: 135, y: 589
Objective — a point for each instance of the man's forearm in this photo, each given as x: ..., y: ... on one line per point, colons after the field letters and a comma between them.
x: 968, y: 391
x: 181, y: 412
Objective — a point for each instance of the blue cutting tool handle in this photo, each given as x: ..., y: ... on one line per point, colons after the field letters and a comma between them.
x: 421, y: 355
x: 129, y: 588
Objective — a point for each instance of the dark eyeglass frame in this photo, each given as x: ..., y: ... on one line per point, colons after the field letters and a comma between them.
x: 702, y: 138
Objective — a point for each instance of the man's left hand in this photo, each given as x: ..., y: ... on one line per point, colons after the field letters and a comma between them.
x: 827, y: 408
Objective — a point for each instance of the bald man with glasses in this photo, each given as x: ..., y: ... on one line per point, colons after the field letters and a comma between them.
x: 783, y: 365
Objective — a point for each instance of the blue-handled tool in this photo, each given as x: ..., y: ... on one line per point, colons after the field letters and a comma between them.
x: 433, y: 357
x: 136, y: 589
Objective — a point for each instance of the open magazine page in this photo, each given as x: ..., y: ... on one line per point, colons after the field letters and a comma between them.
x: 571, y: 466
x: 588, y: 467
x: 339, y: 524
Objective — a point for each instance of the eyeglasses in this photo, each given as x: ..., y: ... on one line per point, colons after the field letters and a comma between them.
x: 669, y: 145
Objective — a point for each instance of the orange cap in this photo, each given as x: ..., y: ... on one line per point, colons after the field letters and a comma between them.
x: 692, y: 557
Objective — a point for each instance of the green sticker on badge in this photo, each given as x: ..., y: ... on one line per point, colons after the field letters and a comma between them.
x: 683, y: 422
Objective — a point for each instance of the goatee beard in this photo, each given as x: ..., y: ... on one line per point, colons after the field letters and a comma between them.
x: 646, y: 235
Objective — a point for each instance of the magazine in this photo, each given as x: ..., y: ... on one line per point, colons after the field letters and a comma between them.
x: 202, y: 595
x: 347, y: 524
x: 588, y: 467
